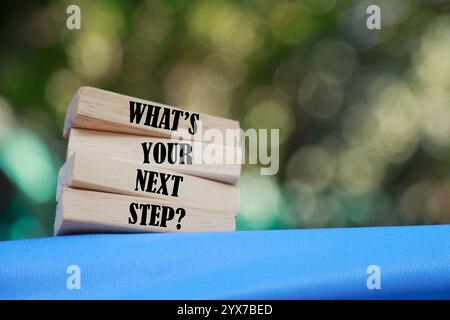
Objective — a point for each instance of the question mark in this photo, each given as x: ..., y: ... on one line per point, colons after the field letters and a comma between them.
x: 182, y: 213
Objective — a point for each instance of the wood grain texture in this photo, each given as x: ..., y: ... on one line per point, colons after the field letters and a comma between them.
x: 88, y: 171
x: 93, y: 108
x: 208, y: 161
x: 83, y: 211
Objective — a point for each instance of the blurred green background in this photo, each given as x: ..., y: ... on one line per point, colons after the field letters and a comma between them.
x: 364, y: 115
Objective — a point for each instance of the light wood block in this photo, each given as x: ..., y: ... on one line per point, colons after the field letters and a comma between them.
x: 88, y: 171
x: 83, y: 211
x: 93, y: 108
x: 193, y: 158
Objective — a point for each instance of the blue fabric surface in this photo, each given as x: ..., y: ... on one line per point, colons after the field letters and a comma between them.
x: 292, y: 264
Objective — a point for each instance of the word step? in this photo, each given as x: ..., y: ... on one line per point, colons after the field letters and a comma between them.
x: 159, y: 214
x: 78, y: 211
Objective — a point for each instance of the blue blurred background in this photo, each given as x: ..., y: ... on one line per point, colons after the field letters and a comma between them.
x: 364, y: 114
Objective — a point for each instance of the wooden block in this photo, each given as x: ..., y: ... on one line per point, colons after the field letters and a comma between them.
x: 102, y: 110
x: 82, y: 211
x: 88, y: 171
x: 197, y: 159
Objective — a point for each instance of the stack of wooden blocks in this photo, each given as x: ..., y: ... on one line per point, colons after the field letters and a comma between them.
x: 138, y: 166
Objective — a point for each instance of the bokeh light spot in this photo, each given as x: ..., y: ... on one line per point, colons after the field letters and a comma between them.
x: 27, y: 162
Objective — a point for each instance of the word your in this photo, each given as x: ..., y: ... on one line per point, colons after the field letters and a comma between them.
x: 161, y: 117
x: 73, y: 21
x: 149, y: 181
x: 73, y: 281
x: 374, y: 279
x: 159, y: 215
x: 374, y: 20
x: 172, y: 153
